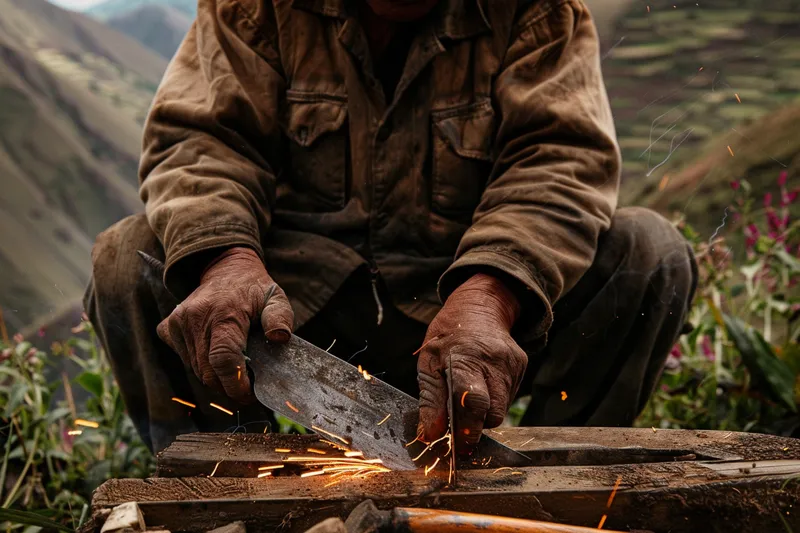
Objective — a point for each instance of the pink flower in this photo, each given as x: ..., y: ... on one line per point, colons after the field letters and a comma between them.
x: 788, y: 198
x: 767, y: 199
x: 18, y: 338
x: 782, y: 178
x: 735, y: 185
x: 5, y: 355
x: 676, y: 351
x: 31, y: 353
x: 41, y: 332
x: 706, y: 348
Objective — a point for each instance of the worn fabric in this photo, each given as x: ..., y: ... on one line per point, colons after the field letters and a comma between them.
x: 611, y: 334
x: 496, y: 153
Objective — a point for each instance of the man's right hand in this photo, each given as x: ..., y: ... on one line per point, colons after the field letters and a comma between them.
x: 209, y: 329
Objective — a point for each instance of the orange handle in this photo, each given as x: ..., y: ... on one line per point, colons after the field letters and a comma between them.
x: 435, y: 521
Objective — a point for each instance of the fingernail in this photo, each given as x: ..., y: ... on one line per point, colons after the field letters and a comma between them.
x: 278, y: 335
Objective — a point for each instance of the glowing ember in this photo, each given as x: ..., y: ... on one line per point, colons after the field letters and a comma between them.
x: 563, y: 395
x: 271, y: 467
x: 317, y: 451
x: 737, y: 98
x: 354, y: 454
x: 86, y: 423
x: 264, y: 474
x: 663, y: 183
x: 184, y: 402
x: 239, y: 375
x: 74, y: 432
x: 501, y: 468
x: 292, y: 407
x: 464, y: 396
x: 602, y: 521
x: 313, y: 473
x: 730, y: 150
x: 283, y: 450
x: 219, y: 407
x: 215, y: 469
x: 384, y: 419
x: 331, y: 435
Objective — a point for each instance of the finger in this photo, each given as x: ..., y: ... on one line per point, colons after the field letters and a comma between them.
x: 225, y: 356
x: 432, y: 398
x: 471, y: 403
x: 499, y: 403
x: 277, y: 318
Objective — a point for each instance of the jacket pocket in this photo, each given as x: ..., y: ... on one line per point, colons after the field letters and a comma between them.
x: 462, y: 157
x: 318, y: 148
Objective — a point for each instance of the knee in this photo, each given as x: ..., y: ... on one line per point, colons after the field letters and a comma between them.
x: 115, y: 265
x: 648, y: 245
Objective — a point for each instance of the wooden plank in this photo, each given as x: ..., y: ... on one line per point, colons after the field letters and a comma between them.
x: 675, y: 497
x: 240, y: 455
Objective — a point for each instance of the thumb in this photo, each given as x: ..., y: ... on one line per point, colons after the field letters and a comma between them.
x: 277, y: 318
x: 432, y: 399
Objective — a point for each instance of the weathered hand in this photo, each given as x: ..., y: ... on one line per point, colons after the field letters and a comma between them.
x: 209, y: 329
x: 471, y: 333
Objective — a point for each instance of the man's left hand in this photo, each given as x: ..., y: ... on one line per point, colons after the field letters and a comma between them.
x: 471, y: 335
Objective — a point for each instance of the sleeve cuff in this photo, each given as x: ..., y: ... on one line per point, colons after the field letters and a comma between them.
x: 537, y: 312
x: 187, y: 258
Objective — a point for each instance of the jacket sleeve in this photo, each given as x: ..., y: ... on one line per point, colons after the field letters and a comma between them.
x: 554, y: 186
x: 206, y: 175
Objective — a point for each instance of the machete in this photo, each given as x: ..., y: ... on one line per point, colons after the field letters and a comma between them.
x: 333, y: 398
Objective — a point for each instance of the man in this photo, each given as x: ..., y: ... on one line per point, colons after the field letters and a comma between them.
x: 359, y: 154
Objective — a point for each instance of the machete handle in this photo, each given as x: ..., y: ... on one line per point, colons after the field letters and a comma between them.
x: 437, y: 521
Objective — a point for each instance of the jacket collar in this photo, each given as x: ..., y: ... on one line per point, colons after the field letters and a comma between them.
x: 453, y: 19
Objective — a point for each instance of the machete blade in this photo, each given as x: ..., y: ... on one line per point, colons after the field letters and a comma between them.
x: 331, y: 397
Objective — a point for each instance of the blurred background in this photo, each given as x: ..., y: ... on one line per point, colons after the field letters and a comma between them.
x: 706, y: 99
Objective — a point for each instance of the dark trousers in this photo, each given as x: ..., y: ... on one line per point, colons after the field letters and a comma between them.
x: 610, y: 337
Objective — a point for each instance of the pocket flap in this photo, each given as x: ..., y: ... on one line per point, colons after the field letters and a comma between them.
x: 308, y: 119
x: 469, y: 130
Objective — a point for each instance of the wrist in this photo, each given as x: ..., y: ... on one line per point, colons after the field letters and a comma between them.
x: 487, y: 294
x: 234, y: 254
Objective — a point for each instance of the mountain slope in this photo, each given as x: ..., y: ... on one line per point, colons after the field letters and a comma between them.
x: 115, y: 8
x: 74, y: 95
x: 160, y: 27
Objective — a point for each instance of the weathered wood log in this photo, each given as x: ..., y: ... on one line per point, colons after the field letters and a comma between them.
x: 677, y: 481
x: 240, y: 455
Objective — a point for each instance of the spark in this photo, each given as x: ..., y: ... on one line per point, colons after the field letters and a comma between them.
x: 271, y: 467
x: 602, y: 521
x: 431, y: 467
x: 730, y: 150
x: 331, y: 346
x: 354, y: 454
x: 226, y: 411
x: 215, y: 469
x: 722, y: 225
x: 527, y: 442
x: 239, y: 375
x: 613, y: 492
x: 672, y: 147
x: 332, y: 435
x: 563, y: 395
x: 431, y: 445
x: 264, y: 474
x: 654, y: 429
x: 663, y: 183
x: 74, y: 432
x: 315, y: 450
x: 501, y: 468
x: 292, y: 407
x: 184, y: 402
x: 86, y: 423
x: 737, y: 97
x: 334, y: 482
x: 427, y: 342
x: 283, y: 450
x: 313, y: 473
x: 464, y: 396
x: 385, y: 419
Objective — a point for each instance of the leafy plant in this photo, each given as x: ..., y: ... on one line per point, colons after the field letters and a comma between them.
x: 739, y: 369
x: 56, y: 452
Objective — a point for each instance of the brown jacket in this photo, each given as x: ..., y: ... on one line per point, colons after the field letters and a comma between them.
x: 497, y: 153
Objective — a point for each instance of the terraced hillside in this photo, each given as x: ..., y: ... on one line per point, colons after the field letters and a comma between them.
x: 684, y: 76
x: 74, y: 94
